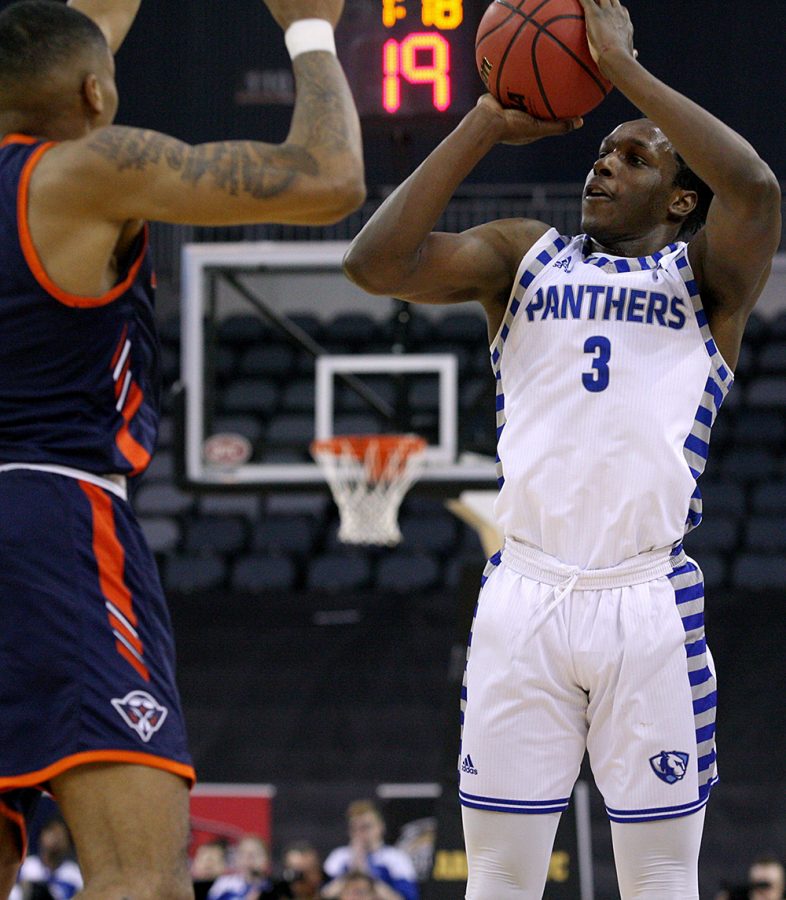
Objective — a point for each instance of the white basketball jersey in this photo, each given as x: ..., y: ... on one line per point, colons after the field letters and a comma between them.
x: 608, y: 382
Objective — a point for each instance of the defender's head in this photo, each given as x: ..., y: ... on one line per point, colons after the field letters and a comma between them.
x: 640, y: 185
x: 57, y: 73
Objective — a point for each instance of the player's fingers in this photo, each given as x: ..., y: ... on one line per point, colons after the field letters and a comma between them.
x: 560, y: 126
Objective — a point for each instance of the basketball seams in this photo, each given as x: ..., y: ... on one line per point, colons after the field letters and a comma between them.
x: 527, y: 20
x: 538, y: 79
x: 512, y: 12
x: 586, y: 69
x: 540, y: 27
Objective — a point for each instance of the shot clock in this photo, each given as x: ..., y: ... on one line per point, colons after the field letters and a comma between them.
x: 406, y: 58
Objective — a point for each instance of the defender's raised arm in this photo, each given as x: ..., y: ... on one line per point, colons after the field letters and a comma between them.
x: 113, y: 17
x: 315, y: 176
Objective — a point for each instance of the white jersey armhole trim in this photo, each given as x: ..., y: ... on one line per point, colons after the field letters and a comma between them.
x: 716, y: 358
x: 540, y: 244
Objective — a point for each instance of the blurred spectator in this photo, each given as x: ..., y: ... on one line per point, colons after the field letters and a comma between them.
x: 53, y: 869
x: 250, y: 879
x: 356, y: 886
x: 302, y: 876
x: 210, y: 862
x: 353, y: 886
x: 766, y: 881
x: 368, y: 853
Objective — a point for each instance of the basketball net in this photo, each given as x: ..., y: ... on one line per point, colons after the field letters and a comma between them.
x: 369, y: 474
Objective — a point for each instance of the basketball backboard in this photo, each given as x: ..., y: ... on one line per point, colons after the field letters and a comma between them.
x: 271, y: 288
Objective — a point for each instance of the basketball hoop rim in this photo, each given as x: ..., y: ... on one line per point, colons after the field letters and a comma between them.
x: 358, y: 444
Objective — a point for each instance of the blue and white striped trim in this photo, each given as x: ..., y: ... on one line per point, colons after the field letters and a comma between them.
x: 492, y: 564
x: 719, y: 381
x: 618, y: 264
x: 497, y: 804
x: 544, y: 250
x: 688, y: 584
x: 663, y: 812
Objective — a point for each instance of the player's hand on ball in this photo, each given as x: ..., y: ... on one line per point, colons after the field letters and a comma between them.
x: 609, y: 28
x: 517, y: 127
x: 285, y: 12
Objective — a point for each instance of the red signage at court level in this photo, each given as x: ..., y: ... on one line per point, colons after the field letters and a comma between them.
x: 228, y: 811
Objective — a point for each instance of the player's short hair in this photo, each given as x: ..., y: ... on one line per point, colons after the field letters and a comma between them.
x: 37, y: 35
x: 687, y: 179
x: 361, y: 807
x: 304, y: 847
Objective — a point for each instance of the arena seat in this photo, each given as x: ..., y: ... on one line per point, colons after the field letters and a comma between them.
x: 767, y: 391
x: 162, y: 533
x: 755, y: 571
x: 243, y: 330
x: 772, y: 359
x: 338, y: 572
x: 223, y: 504
x: 285, y: 535
x: 298, y: 396
x: 348, y: 400
x: 249, y: 426
x: 759, y: 427
x: 162, y: 499
x: 766, y: 533
x: 770, y: 498
x: 260, y: 572
x: 290, y: 429
x: 224, y: 535
x: 465, y: 328
x: 257, y: 396
x: 435, y: 534
x: 718, y: 533
x: 275, y: 360
x: 404, y: 572
x: 350, y: 330
x: 188, y: 574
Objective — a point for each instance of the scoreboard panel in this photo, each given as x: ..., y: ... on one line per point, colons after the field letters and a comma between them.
x: 410, y: 58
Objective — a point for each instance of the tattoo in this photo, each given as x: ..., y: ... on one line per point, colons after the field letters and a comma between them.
x: 321, y: 126
x: 235, y: 167
x: 322, y: 101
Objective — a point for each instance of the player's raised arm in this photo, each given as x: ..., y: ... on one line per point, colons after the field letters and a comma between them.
x: 731, y: 257
x: 314, y: 177
x: 397, y: 253
x: 113, y: 17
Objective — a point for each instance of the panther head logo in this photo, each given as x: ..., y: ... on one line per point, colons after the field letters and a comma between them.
x: 670, y: 765
x: 141, y: 712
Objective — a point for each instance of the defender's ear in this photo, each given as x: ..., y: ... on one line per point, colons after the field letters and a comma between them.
x: 92, y: 95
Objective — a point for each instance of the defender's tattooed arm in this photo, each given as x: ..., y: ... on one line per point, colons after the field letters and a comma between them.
x: 315, y: 176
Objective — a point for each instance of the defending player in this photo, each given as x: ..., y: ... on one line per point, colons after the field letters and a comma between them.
x: 88, y: 705
x: 613, y: 351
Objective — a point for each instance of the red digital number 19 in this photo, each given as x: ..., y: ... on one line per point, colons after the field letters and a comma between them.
x: 400, y: 60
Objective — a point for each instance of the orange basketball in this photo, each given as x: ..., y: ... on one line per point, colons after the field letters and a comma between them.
x: 533, y: 55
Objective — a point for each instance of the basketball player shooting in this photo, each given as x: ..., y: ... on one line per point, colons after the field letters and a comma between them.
x: 88, y: 701
x: 613, y: 351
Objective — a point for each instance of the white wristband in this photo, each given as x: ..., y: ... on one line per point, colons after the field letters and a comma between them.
x: 306, y: 35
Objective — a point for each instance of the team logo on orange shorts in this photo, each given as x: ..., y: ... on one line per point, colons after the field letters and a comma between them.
x: 141, y: 712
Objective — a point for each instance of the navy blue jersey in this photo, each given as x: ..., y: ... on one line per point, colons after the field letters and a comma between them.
x: 79, y: 382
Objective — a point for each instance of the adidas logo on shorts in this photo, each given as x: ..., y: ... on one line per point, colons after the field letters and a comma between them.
x: 468, y: 766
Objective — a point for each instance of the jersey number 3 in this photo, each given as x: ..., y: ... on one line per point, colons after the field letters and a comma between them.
x: 598, y: 379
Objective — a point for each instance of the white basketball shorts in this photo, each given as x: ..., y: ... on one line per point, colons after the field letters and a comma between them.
x: 609, y: 660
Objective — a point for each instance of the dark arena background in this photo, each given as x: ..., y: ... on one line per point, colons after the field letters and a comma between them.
x: 313, y: 673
